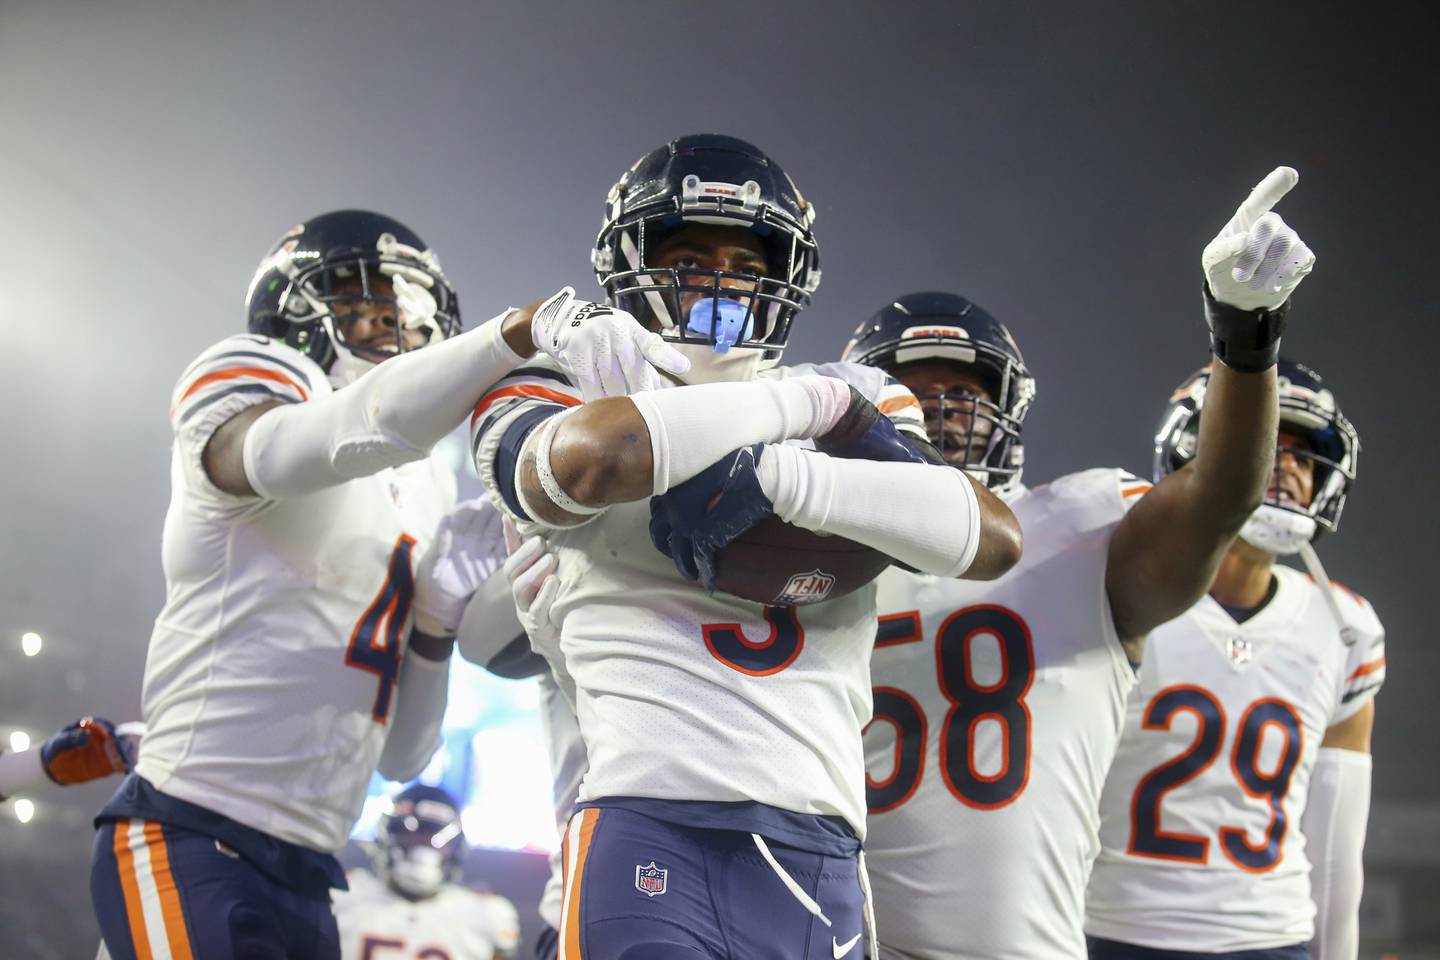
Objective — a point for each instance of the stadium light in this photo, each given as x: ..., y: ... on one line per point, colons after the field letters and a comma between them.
x: 19, y: 741
x: 24, y: 810
x: 31, y: 643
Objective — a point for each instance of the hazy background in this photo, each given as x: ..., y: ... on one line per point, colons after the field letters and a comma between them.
x: 1061, y: 164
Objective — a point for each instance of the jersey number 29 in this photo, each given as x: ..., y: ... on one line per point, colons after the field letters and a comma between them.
x: 1148, y: 839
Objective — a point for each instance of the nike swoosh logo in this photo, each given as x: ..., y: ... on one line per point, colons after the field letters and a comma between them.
x: 840, y: 949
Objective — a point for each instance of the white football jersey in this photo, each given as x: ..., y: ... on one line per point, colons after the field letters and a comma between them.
x: 1201, y: 813
x: 458, y: 923
x: 567, y: 768
x: 997, y: 710
x: 272, y: 667
x: 686, y: 696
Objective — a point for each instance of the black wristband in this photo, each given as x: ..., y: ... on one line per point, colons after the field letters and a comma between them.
x: 1247, y: 341
x: 435, y: 649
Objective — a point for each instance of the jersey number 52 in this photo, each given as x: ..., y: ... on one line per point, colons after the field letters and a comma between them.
x: 971, y: 705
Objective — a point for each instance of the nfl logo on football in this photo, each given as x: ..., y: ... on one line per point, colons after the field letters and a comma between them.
x: 650, y: 879
x: 805, y: 588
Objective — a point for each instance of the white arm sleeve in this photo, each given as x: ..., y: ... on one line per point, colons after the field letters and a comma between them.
x: 1333, y: 823
x: 414, y: 735
x: 692, y: 427
x: 806, y: 487
x: 490, y: 623
x: 393, y: 414
x: 20, y: 770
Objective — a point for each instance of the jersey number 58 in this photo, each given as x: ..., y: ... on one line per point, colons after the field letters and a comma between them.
x: 971, y: 705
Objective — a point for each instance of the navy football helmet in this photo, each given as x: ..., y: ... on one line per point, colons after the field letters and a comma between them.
x: 337, y: 258
x: 1308, y: 409
x: 712, y: 179
x: 419, y: 843
x: 948, y: 327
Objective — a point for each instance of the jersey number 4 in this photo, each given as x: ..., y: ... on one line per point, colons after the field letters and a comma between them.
x: 376, y: 642
x: 972, y: 703
x: 1148, y: 839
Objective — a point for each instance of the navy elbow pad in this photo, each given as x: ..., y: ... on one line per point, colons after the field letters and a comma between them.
x: 507, y: 458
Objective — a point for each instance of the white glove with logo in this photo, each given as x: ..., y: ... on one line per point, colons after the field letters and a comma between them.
x: 1257, y: 261
x: 530, y: 568
x: 416, y: 304
x: 466, y: 550
x: 605, y: 349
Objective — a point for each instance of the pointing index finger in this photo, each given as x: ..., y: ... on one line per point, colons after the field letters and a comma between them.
x: 1266, y: 194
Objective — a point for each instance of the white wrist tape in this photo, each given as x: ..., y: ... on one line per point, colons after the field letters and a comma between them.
x: 876, y: 504
x: 393, y: 414
x: 1334, y: 820
x: 692, y: 427
x: 539, y: 443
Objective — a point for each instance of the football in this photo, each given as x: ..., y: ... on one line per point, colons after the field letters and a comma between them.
x: 779, y: 564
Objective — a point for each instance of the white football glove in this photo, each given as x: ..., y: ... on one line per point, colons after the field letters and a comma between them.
x: 416, y: 304
x: 530, y: 568
x: 605, y: 349
x: 466, y: 550
x: 1257, y: 261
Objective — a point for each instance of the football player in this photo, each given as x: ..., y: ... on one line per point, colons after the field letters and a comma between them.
x: 998, y: 705
x: 88, y: 749
x: 723, y: 807
x: 307, y: 529
x: 1233, y: 818
x: 413, y: 906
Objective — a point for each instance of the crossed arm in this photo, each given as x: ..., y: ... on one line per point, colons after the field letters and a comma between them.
x: 623, y: 449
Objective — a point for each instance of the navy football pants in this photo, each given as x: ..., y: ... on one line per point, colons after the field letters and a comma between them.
x: 638, y: 888
x: 1101, y: 949
x: 166, y: 892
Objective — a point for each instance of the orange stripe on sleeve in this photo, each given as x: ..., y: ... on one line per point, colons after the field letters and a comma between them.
x: 1127, y: 493
x: 521, y: 390
x: 134, y: 911
x: 888, y: 407
x: 234, y: 372
x: 170, y: 910
x: 588, y: 819
x: 1365, y: 669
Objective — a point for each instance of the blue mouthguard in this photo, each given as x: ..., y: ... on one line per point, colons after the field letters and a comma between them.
x: 735, y: 323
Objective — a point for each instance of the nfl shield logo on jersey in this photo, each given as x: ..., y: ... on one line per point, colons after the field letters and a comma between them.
x: 805, y: 588
x: 1240, y: 651
x: 650, y: 879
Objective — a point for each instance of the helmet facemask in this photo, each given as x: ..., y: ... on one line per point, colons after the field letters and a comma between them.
x: 988, y: 448
x: 1280, y: 525
x: 420, y: 847
x: 325, y: 291
x: 730, y: 324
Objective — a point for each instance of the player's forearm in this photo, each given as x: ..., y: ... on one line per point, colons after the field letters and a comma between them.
x: 623, y: 449
x: 939, y: 526
x: 1235, y: 455
x: 392, y: 415
x: 1334, y: 827
x: 414, y: 735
